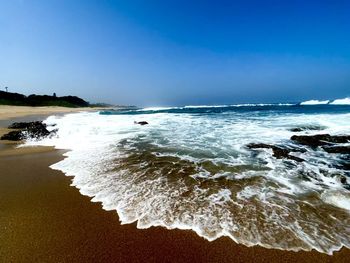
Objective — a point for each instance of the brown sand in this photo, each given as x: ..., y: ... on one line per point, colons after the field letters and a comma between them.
x: 44, y: 219
x: 9, y: 112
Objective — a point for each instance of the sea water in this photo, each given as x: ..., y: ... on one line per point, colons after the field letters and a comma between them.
x: 189, y: 168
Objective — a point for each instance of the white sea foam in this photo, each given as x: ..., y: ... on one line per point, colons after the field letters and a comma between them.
x: 249, y: 196
x: 206, y: 106
x: 261, y: 104
x: 157, y: 108
x: 240, y: 105
x: 314, y: 102
x: 337, y: 198
x: 345, y: 101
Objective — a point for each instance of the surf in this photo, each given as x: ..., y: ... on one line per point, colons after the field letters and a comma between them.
x: 190, y: 168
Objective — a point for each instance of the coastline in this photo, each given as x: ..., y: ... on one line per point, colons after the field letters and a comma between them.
x: 45, y: 219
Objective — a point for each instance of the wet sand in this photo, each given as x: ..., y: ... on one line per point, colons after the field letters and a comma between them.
x: 44, y: 219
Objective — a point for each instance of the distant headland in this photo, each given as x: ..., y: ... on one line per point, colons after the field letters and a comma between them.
x: 17, y: 99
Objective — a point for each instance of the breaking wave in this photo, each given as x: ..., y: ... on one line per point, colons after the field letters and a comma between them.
x: 314, y: 102
x: 345, y: 101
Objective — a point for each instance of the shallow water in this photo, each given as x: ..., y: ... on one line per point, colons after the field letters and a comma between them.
x: 190, y: 169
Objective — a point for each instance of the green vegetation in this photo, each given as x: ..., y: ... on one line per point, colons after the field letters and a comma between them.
x: 8, y: 98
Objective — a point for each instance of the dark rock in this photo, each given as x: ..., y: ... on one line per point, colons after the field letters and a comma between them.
x: 296, y: 129
x: 320, y: 139
x: 312, y: 140
x: 34, y: 130
x: 342, y: 165
x: 337, y: 149
x: 339, y: 139
x: 141, y: 122
x: 278, y: 152
x: 343, y: 179
x: 307, y: 128
x: 25, y: 125
x: 13, y: 136
x: 344, y: 162
x: 259, y: 146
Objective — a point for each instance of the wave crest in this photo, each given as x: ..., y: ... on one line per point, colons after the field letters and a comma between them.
x: 314, y: 102
x: 345, y: 101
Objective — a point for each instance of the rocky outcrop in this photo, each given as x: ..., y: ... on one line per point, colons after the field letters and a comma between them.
x: 278, y: 152
x: 13, y: 136
x: 337, y: 149
x: 320, y: 139
x: 25, y: 130
x: 25, y: 125
x: 333, y: 144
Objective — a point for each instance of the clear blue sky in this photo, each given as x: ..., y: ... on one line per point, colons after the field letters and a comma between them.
x: 177, y: 52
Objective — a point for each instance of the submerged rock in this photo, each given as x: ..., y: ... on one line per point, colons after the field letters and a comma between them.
x: 342, y: 179
x: 258, y: 145
x: 307, y: 128
x: 36, y: 129
x: 141, y: 122
x: 278, y: 152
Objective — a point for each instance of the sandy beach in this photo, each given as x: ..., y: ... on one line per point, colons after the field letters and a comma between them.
x: 8, y: 112
x: 44, y: 219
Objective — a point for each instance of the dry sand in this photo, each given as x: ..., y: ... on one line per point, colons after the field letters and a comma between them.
x: 44, y: 219
x: 8, y: 112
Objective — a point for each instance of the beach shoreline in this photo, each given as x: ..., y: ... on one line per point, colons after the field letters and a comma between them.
x: 45, y: 219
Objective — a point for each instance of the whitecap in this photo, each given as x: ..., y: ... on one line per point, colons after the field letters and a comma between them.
x: 314, y: 102
x: 345, y: 101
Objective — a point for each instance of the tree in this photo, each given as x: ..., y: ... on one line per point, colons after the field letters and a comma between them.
x: 54, y: 94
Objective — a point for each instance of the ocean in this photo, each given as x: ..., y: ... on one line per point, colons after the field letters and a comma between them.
x: 191, y: 168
